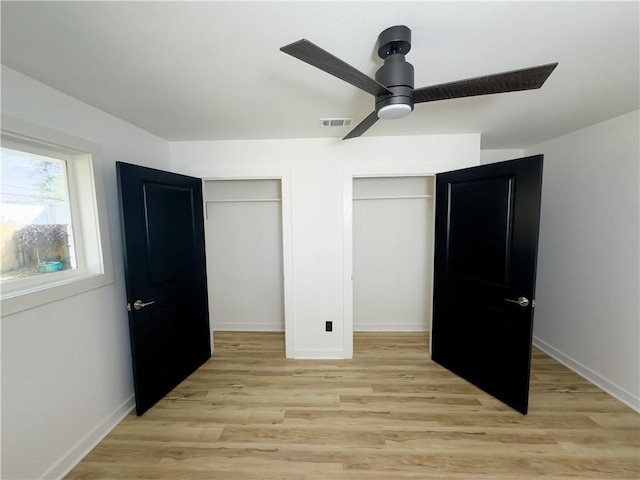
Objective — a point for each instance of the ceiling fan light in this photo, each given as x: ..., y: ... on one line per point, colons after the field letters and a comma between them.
x: 393, y: 111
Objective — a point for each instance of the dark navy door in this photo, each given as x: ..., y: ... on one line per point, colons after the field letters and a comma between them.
x: 486, y: 245
x: 163, y: 239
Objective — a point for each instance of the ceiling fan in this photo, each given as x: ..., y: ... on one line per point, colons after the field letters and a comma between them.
x: 393, y: 84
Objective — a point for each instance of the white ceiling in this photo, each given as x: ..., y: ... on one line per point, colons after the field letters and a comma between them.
x: 213, y: 70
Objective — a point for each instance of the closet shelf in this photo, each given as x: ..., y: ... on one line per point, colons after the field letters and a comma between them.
x: 393, y: 197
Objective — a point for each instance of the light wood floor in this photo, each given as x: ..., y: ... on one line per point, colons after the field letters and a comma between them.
x: 390, y: 413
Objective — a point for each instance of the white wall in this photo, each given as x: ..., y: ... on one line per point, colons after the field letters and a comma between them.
x: 66, y: 366
x: 492, y: 156
x: 587, y: 301
x: 317, y: 196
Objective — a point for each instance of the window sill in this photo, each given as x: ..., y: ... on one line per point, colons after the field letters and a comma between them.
x: 25, y: 299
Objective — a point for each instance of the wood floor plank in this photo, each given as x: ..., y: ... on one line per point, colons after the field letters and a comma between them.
x: 389, y: 413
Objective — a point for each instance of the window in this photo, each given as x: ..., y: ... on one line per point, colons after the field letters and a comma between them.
x: 53, y: 239
x: 35, y: 215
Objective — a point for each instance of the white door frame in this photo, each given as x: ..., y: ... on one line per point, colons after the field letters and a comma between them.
x: 349, y: 174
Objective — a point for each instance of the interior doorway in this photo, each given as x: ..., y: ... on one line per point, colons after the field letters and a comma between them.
x: 393, y: 237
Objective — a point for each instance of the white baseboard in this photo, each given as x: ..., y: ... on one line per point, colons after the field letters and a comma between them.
x: 84, y: 446
x: 599, y: 381
x: 248, y: 327
x: 318, y: 355
x: 390, y: 327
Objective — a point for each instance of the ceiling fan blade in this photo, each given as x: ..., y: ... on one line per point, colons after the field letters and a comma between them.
x: 363, y: 126
x: 310, y: 53
x: 525, y: 79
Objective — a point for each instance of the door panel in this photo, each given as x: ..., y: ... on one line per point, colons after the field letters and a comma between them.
x: 165, y: 221
x: 163, y: 239
x: 486, y: 240
x: 487, y: 222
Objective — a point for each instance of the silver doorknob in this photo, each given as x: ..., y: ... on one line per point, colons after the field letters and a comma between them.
x: 522, y: 301
x: 138, y: 304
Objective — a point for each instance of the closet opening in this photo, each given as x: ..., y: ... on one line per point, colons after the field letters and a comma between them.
x: 244, y: 248
x: 393, y: 229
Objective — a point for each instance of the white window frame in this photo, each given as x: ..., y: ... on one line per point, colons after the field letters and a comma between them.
x: 88, y: 214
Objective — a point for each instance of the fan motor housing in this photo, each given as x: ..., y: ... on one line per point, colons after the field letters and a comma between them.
x: 396, y: 74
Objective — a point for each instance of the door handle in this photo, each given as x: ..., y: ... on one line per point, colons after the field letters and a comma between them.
x: 138, y: 304
x: 522, y: 301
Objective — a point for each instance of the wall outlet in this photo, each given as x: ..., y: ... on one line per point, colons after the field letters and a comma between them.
x: 328, y: 326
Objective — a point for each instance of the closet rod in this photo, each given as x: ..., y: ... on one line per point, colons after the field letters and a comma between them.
x: 394, y: 197
x: 245, y: 200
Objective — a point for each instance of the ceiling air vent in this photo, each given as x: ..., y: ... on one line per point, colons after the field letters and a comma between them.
x: 336, y: 122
